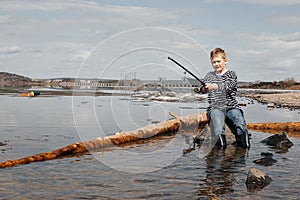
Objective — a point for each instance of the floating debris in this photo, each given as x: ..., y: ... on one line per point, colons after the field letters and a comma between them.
x: 2, y: 144
x: 30, y: 94
x: 166, y: 97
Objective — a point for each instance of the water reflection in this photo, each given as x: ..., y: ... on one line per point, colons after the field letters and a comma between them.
x: 221, y: 167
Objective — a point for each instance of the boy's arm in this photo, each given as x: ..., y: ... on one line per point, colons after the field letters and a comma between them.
x: 208, y: 85
x: 229, y: 84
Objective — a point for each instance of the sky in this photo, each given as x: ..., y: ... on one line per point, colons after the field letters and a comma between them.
x: 133, y: 38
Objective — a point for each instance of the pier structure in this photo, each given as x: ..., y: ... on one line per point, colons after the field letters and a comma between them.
x: 132, y: 84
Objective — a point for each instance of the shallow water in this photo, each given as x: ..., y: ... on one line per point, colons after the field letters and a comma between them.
x: 154, y: 169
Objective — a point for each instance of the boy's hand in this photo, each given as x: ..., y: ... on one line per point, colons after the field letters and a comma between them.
x: 210, y: 86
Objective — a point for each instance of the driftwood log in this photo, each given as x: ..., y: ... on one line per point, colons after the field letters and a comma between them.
x: 162, y: 128
x: 119, y: 138
x: 293, y: 128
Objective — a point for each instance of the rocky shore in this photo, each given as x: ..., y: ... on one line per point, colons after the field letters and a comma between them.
x: 287, y: 100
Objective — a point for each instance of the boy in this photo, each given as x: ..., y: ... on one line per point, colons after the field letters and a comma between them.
x: 221, y: 85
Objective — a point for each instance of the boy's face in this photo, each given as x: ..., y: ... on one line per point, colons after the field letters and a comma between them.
x: 219, y: 63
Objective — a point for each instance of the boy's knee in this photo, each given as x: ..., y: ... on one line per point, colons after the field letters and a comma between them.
x: 241, y: 130
x: 236, y: 117
x: 217, y: 128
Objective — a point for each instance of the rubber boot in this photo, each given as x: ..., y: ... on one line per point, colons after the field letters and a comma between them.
x: 243, y: 141
x: 221, y: 143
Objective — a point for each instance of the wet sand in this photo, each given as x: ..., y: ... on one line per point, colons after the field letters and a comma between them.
x: 287, y: 100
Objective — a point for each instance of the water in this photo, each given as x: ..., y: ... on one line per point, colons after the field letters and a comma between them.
x: 154, y: 169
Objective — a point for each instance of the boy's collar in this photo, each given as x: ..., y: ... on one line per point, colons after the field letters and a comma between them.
x: 222, y: 72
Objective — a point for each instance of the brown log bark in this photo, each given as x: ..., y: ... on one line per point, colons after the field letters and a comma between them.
x: 293, y: 128
x: 119, y: 138
x: 279, y: 126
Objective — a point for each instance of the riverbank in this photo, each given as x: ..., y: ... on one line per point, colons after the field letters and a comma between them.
x: 289, y: 100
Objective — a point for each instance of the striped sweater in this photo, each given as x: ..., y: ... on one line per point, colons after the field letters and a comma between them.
x: 225, y: 96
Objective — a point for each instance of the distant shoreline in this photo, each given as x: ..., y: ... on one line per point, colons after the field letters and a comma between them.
x: 9, y: 80
x: 280, y: 93
x: 44, y: 93
x: 279, y: 98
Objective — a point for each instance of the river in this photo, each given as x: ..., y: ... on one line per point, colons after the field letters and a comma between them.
x: 154, y: 169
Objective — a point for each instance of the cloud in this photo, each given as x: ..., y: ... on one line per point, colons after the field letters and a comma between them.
x: 82, y: 54
x: 185, y: 45
x: 285, y: 64
x: 53, y: 5
x: 286, y: 20
x: 11, y: 50
x: 63, y: 34
x: 292, y: 37
x: 15, y: 49
x: 258, y: 2
x: 264, y: 55
x: 278, y: 42
x: 284, y: 43
x: 88, y: 7
x: 86, y: 17
x: 66, y: 40
x: 212, y: 1
x: 270, y: 2
x: 6, y: 19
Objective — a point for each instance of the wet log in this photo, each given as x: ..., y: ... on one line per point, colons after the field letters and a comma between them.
x: 292, y: 128
x: 119, y: 138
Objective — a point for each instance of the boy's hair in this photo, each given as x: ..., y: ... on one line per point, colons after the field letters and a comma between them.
x: 217, y: 51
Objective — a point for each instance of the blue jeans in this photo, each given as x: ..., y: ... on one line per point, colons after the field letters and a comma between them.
x: 234, y: 119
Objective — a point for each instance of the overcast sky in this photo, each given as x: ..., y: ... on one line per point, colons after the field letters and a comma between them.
x: 110, y: 38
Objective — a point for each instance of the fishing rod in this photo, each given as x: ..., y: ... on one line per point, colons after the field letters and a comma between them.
x: 198, y: 79
x: 199, y: 138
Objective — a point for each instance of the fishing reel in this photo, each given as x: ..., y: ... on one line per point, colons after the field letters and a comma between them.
x: 197, y: 90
